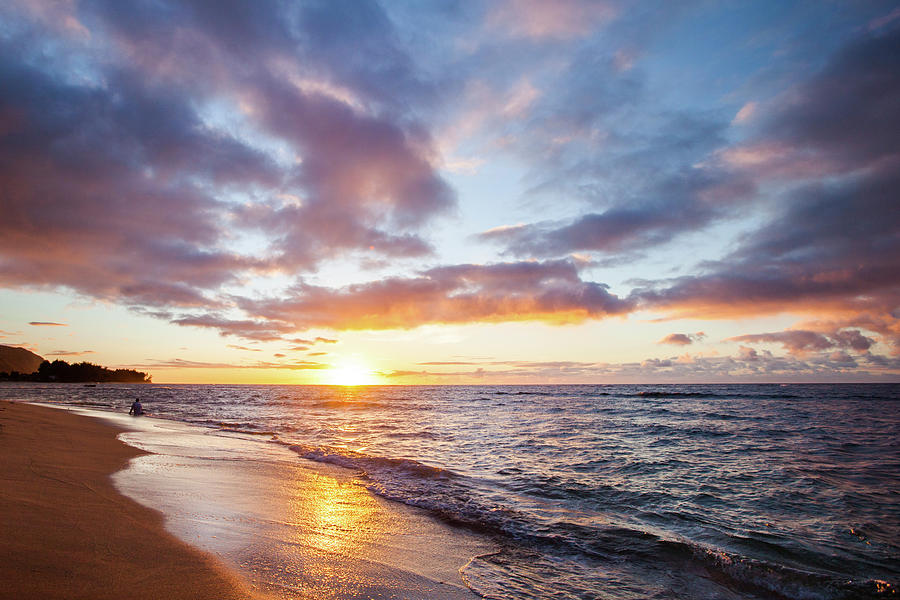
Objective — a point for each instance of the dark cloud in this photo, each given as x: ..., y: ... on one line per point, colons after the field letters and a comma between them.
x: 125, y: 174
x: 833, y: 246
x: 686, y: 202
x: 47, y: 324
x: 795, y: 342
x: 852, y: 339
x: 845, y: 117
x: 802, y: 342
x: 95, y: 183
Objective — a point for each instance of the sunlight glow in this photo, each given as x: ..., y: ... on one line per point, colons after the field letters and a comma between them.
x: 350, y: 372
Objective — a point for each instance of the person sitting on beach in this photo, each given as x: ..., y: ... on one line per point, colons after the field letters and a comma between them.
x: 136, y: 408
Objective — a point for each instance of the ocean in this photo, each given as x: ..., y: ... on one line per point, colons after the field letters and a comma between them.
x: 597, y: 491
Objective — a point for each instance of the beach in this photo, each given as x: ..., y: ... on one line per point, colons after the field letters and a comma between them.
x: 68, y: 533
x: 181, y: 511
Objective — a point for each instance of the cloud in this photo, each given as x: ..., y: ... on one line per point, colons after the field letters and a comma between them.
x: 880, y: 22
x: 747, y: 365
x: 682, y: 339
x: 551, y: 291
x: 263, y: 331
x: 94, y: 184
x: 167, y: 155
x: 683, y: 177
x: 745, y: 114
x: 687, y: 201
x: 852, y: 339
x: 178, y: 363
x: 802, y: 342
x: 835, y: 122
x: 795, y: 342
x: 134, y: 165
x: 361, y: 174
x: 539, y: 20
x: 644, y: 180
x: 69, y: 353
x: 47, y: 324
x: 832, y: 246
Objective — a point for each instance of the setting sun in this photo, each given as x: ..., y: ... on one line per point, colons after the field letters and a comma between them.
x: 350, y: 372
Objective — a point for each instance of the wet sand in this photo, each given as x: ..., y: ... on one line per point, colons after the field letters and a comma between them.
x: 66, y: 532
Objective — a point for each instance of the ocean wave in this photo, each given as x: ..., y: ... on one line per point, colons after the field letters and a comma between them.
x: 370, y: 464
x: 764, y: 577
x: 630, y: 559
x: 709, y: 395
x: 454, y: 498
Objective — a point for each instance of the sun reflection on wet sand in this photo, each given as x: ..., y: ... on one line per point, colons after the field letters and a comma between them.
x: 337, y: 540
x: 338, y: 517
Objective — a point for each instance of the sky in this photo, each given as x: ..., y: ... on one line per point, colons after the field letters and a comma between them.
x: 443, y: 192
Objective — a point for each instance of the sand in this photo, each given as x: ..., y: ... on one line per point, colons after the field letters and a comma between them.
x: 65, y: 532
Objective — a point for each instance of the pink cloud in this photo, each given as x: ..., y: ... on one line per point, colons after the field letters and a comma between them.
x: 551, y: 291
x: 682, y: 339
x: 560, y: 19
x: 745, y: 113
x: 880, y: 22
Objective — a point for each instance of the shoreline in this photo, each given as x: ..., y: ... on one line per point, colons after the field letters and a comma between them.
x: 67, y: 532
x: 211, y: 523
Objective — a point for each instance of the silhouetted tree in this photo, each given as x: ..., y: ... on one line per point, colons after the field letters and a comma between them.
x: 60, y: 370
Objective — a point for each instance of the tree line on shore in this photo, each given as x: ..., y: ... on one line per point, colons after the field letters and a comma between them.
x: 61, y: 371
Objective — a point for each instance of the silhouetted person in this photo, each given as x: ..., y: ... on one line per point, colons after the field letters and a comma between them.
x: 136, y: 408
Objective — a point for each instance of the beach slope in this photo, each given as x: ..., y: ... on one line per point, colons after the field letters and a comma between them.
x: 67, y: 533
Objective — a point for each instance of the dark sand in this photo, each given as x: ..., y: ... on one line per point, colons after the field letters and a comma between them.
x: 65, y: 532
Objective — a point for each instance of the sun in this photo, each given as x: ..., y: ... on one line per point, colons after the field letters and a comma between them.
x: 350, y: 372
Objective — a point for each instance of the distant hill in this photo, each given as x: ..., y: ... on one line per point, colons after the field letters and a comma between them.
x: 18, y: 359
